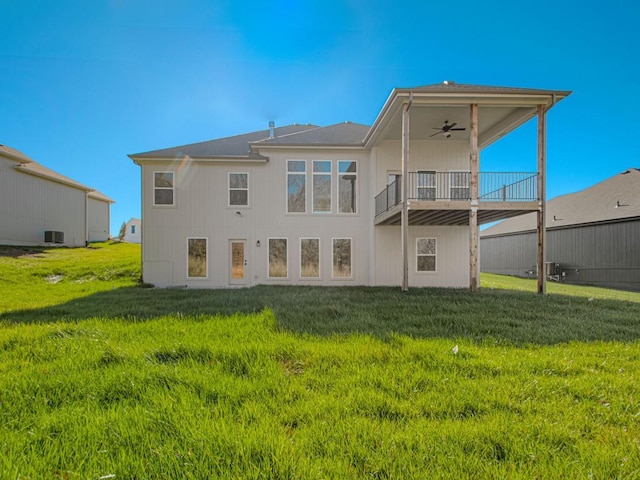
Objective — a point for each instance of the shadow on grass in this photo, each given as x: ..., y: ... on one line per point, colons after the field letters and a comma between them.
x: 494, y: 316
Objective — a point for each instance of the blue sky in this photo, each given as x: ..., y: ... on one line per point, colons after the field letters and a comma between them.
x: 84, y: 83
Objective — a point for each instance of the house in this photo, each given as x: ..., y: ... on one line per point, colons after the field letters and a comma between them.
x: 311, y: 205
x: 133, y: 231
x: 41, y: 207
x: 593, y: 237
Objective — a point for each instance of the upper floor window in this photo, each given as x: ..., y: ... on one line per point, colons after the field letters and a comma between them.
x: 459, y: 185
x: 296, y: 186
x: 321, y: 186
x: 163, y: 186
x: 133, y: 229
x: 427, y: 185
x: 238, y: 189
x: 347, y: 179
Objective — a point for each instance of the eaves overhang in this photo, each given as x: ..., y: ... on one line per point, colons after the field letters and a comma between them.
x: 254, y: 158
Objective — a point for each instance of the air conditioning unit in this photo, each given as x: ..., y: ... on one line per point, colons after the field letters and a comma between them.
x: 51, y: 236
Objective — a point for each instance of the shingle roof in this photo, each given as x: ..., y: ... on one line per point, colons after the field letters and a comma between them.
x: 27, y: 165
x: 235, y: 146
x: 615, y: 198
x: 340, y: 134
x: 14, y: 154
x: 464, y: 88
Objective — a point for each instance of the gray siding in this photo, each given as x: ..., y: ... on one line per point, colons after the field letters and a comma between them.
x: 605, y: 254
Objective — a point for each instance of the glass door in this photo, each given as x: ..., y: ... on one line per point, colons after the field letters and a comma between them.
x: 238, y: 266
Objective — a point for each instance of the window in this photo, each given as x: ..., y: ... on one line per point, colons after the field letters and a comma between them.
x: 163, y: 188
x: 133, y: 229
x: 459, y: 185
x: 238, y: 189
x: 427, y: 185
x: 296, y: 186
x: 321, y: 186
x: 341, y: 258
x: 197, y: 257
x: 347, y: 176
x: 278, y: 258
x: 310, y: 257
x: 426, y: 254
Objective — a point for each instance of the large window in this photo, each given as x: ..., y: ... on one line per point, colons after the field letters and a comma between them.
x: 459, y: 185
x: 426, y: 254
x: 278, y: 258
x: 427, y: 185
x: 322, y: 186
x: 296, y: 186
x: 347, y: 177
x: 197, y: 257
x: 238, y: 189
x: 310, y: 258
x: 341, y: 258
x: 163, y: 188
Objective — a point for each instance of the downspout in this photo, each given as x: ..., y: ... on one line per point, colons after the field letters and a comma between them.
x: 404, y: 234
x: 86, y: 218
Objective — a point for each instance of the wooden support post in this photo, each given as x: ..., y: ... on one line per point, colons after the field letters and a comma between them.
x: 405, y: 196
x: 474, y: 166
x: 542, y: 197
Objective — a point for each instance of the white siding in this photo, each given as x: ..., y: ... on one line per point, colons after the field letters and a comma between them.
x: 201, y: 199
x: 30, y: 205
x: 136, y: 236
x: 98, y: 220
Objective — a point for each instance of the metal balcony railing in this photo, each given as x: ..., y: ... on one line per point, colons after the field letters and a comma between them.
x: 432, y: 185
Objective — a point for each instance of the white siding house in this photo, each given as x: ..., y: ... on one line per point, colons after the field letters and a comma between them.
x: 133, y: 232
x: 310, y: 205
x: 41, y: 207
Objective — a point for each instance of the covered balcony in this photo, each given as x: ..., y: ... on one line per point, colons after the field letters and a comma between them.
x: 444, y: 198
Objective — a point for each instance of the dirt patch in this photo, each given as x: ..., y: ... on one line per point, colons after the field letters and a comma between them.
x: 15, y: 252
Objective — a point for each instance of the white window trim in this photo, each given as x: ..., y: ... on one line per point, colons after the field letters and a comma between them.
x: 206, y: 276
x: 229, y: 189
x: 427, y: 272
x: 355, y: 187
x: 286, y: 185
x: 173, y: 188
x: 269, y: 254
x: 313, y: 176
x: 319, y: 277
x: 350, y: 277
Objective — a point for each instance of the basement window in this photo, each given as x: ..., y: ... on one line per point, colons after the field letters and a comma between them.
x: 426, y: 254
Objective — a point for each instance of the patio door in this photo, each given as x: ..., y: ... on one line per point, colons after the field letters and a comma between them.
x: 238, y: 266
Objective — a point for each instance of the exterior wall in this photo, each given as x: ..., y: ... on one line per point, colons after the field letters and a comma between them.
x: 30, y: 205
x: 135, y: 237
x: 452, y: 256
x: 98, y: 219
x: 604, y: 254
x: 438, y: 155
x: 200, y: 210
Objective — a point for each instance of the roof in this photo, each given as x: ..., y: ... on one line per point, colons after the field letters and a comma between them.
x: 27, y: 165
x: 235, y: 146
x: 468, y: 89
x: 13, y: 154
x: 616, y: 198
x: 340, y: 134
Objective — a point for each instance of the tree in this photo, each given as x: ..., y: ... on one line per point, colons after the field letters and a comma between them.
x: 123, y: 231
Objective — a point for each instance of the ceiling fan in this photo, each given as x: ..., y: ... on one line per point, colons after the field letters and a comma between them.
x: 446, y: 129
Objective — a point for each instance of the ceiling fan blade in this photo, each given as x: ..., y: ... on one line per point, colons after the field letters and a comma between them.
x: 437, y: 133
x: 452, y: 125
x: 457, y: 129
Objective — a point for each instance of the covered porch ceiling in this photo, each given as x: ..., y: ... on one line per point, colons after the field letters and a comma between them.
x: 500, y: 111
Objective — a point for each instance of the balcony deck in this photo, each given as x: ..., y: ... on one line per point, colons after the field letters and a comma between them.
x: 443, y: 198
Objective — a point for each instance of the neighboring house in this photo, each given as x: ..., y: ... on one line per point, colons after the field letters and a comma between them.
x: 133, y: 231
x: 593, y: 237
x: 41, y: 207
x: 310, y: 205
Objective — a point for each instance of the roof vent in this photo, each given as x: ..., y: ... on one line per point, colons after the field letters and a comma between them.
x: 272, y: 129
x: 449, y: 82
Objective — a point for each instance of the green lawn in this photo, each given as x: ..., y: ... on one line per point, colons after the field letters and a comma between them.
x: 101, y: 378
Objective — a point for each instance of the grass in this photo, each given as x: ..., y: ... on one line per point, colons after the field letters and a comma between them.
x: 119, y: 381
